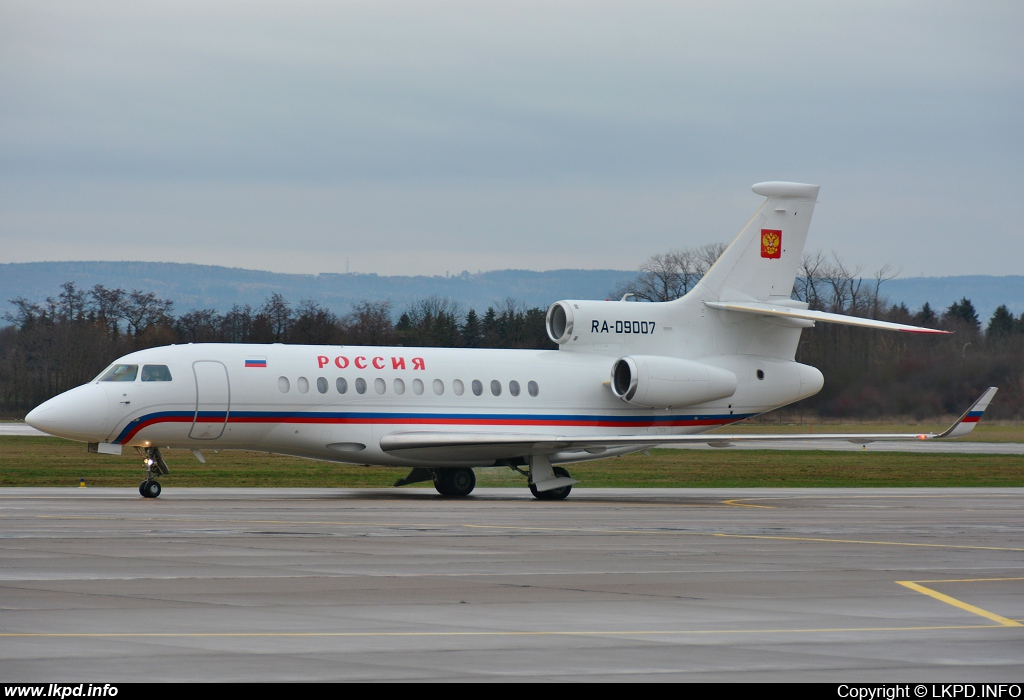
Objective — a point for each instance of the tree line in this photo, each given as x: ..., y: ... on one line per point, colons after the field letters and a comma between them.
x: 66, y: 340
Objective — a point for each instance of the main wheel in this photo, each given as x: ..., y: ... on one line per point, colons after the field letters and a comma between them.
x: 454, y: 482
x: 150, y: 489
x: 554, y: 494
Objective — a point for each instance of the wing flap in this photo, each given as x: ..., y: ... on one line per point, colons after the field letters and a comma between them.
x: 468, y: 446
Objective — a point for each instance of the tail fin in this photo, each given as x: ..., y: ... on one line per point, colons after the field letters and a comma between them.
x: 762, y: 262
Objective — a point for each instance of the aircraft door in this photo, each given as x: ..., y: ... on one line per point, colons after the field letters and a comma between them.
x: 213, y: 400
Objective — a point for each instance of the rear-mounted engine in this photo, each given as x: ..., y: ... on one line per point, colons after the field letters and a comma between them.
x: 559, y: 322
x: 665, y: 382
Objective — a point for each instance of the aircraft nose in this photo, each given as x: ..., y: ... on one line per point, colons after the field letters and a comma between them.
x: 78, y: 414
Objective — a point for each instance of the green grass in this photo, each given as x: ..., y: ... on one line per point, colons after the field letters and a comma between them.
x: 44, y: 461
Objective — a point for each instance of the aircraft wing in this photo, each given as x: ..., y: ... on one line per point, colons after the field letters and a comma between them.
x: 483, y: 445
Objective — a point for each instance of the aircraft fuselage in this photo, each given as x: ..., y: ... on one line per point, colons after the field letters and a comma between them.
x: 335, y: 403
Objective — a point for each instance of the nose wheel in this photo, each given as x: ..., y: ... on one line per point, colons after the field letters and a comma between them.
x: 155, y: 467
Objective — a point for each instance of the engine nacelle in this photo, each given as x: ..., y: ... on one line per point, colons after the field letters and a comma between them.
x: 560, y: 321
x: 665, y: 382
x: 587, y: 322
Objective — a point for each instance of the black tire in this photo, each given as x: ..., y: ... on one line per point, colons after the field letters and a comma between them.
x: 142, y: 489
x: 150, y: 489
x: 454, y: 482
x: 439, y: 482
x: 558, y: 494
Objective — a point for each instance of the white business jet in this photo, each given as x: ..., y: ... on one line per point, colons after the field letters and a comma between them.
x: 626, y: 376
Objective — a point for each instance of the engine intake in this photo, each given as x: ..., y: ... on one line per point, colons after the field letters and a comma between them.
x: 559, y: 322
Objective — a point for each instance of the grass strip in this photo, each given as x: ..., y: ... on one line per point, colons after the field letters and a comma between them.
x: 45, y: 461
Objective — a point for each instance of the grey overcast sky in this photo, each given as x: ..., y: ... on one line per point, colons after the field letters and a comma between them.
x: 425, y: 137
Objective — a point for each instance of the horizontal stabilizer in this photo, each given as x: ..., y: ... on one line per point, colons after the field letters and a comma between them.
x: 779, y: 311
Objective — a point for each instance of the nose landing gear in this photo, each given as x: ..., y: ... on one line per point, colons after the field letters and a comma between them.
x: 155, y: 467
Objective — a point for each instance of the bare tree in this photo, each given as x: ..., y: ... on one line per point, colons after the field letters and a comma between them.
x: 668, y: 276
x: 433, y: 322
x: 829, y: 284
x: 704, y: 257
x: 236, y: 326
x: 69, y: 304
x: 807, y: 287
x: 370, y: 323
x: 276, y: 315
x: 105, y: 305
x: 878, y: 304
x: 313, y: 324
x: 199, y: 326
x: 144, y: 309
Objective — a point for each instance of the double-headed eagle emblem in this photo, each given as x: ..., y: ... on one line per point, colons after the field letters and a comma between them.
x: 771, y: 243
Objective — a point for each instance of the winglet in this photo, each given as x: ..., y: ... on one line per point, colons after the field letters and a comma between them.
x: 971, y: 417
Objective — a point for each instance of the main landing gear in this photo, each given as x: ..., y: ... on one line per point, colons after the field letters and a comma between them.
x: 155, y: 467
x: 555, y: 494
x: 547, y: 483
x: 449, y: 481
x: 454, y: 482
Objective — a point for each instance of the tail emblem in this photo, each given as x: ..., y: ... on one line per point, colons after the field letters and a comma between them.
x: 771, y: 243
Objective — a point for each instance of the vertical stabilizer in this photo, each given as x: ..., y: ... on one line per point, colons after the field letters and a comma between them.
x: 762, y: 262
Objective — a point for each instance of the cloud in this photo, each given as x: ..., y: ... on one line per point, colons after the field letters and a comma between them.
x: 472, y: 130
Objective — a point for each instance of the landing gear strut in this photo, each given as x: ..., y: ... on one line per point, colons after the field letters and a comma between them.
x: 548, y: 483
x: 155, y: 467
x: 454, y: 482
x: 554, y: 494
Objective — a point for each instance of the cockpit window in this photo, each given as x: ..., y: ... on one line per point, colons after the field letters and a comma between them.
x: 156, y: 373
x: 121, y: 373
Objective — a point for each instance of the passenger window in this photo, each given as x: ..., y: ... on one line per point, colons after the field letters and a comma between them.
x: 458, y: 387
x: 360, y: 386
x: 513, y: 387
x: 496, y: 387
x: 533, y: 388
x: 342, y: 385
x: 156, y: 373
x: 417, y: 386
x: 478, y: 388
x: 438, y: 387
x: 321, y: 385
x: 399, y: 386
x: 303, y: 385
x: 379, y: 385
x: 283, y: 384
x: 121, y: 373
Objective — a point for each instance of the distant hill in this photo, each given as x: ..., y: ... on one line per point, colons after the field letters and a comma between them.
x: 208, y: 286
